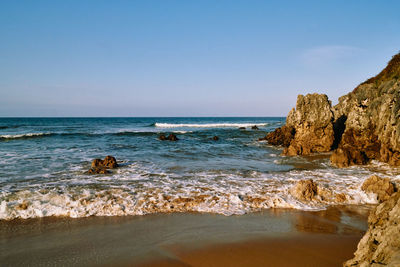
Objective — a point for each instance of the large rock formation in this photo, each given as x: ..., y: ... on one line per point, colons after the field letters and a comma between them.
x: 308, y: 129
x: 364, y: 125
x: 313, y: 123
x: 381, y: 243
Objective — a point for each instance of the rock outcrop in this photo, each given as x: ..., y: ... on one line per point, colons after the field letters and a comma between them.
x: 363, y: 126
x: 313, y: 123
x: 382, y: 187
x: 381, y: 243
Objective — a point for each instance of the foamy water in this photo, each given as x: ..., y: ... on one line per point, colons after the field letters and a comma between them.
x: 46, y: 176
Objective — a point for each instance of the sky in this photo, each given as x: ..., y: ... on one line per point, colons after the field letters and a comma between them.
x: 187, y: 58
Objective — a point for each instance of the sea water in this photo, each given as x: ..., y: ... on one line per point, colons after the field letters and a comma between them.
x: 43, y: 164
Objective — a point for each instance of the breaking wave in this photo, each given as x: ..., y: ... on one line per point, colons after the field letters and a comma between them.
x: 21, y: 136
x: 207, y: 125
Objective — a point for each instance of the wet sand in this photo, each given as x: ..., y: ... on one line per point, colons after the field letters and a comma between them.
x: 276, y: 237
x: 302, y: 250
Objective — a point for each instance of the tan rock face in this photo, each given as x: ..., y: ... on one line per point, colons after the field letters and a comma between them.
x: 304, y: 190
x: 313, y: 123
x: 381, y: 243
x: 372, y: 113
x: 382, y: 187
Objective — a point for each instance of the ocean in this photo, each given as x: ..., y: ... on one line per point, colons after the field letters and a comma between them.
x: 43, y: 164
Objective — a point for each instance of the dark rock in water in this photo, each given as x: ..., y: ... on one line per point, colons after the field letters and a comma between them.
x: 380, y: 245
x: 98, y: 170
x: 110, y: 162
x: 215, y: 138
x: 172, y: 137
x: 363, y: 126
x: 282, y: 136
x: 162, y: 137
x: 100, y: 166
x: 382, y: 187
x: 255, y: 127
x: 242, y: 128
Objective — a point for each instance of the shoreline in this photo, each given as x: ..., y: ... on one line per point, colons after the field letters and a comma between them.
x: 156, y: 239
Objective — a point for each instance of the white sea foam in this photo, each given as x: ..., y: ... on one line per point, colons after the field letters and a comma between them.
x: 16, y: 136
x: 207, y: 125
x: 137, y: 190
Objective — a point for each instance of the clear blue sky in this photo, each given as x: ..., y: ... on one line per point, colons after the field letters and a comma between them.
x: 187, y: 58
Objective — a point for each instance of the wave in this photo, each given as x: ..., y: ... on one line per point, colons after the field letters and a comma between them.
x: 207, y: 125
x: 23, y: 136
x: 140, y: 193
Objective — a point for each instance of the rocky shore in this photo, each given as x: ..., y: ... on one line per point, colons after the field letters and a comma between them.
x: 363, y: 126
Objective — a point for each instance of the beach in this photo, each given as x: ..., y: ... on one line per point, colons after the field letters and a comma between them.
x: 196, y: 200
x: 278, y: 236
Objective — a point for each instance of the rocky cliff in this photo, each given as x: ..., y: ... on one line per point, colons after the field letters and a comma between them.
x: 364, y: 125
x: 381, y: 243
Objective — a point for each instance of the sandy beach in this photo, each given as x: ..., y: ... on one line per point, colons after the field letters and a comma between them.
x: 273, y: 237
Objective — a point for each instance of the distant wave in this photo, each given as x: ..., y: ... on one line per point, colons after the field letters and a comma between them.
x: 21, y: 136
x: 207, y: 125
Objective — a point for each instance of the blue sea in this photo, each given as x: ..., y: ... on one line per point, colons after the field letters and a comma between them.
x: 43, y: 164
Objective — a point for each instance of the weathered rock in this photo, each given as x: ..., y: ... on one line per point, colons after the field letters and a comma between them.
x: 281, y: 136
x: 304, y: 190
x: 313, y: 123
x: 100, y: 166
x: 255, y: 127
x: 215, y: 138
x: 382, y: 187
x: 381, y: 243
x: 372, y: 117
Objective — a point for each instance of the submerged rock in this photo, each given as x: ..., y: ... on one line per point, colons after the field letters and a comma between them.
x: 162, y: 137
x: 382, y: 187
x: 215, y: 138
x: 255, y: 127
x: 170, y: 137
x: 98, y: 170
x: 381, y: 243
x: 242, y: 128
